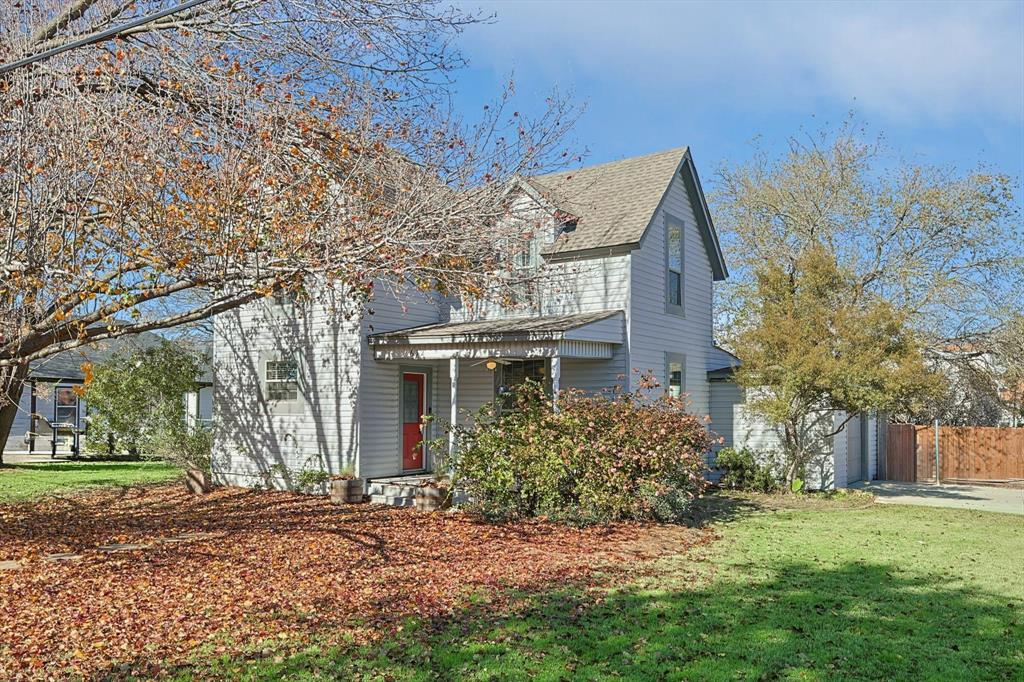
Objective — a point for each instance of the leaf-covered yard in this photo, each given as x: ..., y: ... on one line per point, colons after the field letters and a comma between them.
x: 136, y: 579
x: 258, y: 585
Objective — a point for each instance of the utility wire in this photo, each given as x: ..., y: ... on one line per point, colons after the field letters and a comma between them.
x: 99, y: 36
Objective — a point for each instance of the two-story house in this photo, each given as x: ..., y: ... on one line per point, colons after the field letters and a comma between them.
x: 325, y: 385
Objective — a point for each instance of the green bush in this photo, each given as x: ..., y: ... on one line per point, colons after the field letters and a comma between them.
x: 596, y: 458
x: 136, y: 399
x: 187, y: 447
x: 743, y: 469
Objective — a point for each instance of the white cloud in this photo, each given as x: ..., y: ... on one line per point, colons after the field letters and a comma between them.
x: 902, y: 60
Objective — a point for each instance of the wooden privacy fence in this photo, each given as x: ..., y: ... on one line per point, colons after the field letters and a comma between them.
x: 966, y: 453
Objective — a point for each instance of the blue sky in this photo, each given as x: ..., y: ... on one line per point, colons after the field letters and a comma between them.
x: 944, y: 82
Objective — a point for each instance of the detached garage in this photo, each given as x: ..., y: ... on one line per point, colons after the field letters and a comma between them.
x: 847, y: 457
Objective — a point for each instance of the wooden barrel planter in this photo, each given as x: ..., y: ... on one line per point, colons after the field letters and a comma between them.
x: 433, y: 498
x: 347, y: 491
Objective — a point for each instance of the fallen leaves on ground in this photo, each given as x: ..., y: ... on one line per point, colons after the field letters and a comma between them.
x: 232, y: 569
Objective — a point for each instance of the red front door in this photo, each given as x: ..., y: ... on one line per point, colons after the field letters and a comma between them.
x: 413, y: 391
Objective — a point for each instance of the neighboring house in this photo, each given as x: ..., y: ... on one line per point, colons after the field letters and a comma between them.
x: 631, y: 255
x: 851, y: 455
x: 978, y: 393
x: 51, y: 416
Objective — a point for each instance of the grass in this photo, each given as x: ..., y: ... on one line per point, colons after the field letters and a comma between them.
x: 831, y: 590
x: 24, y: 481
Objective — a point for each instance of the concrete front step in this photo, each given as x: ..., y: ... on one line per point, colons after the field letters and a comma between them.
x: 392, y: 501
x: 394, y: 493
x: 400, y: 491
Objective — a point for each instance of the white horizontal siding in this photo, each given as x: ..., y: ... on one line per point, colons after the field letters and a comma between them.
x: 16, y: 441
x: 739, y: 427
x: 723, y: 398
x: 377, y: 401
x: 653, y: 331
x: 564, y: 288
x: 595, y: 376
x: 855, y: 469
x: 259, y: 442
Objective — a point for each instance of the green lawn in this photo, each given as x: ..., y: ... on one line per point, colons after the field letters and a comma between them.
x: 823, y: 593
x: 22, y: 481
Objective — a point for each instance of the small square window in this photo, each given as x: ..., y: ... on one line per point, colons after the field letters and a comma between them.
x: 284, y: 297
x: 282, y: 380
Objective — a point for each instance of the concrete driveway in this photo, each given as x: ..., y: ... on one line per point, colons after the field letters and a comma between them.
x: 984, y: 498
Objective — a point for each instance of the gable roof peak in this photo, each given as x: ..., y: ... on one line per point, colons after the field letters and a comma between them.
x: 614, y: 202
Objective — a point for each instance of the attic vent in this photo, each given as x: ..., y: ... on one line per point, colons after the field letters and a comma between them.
x: 390, y: 194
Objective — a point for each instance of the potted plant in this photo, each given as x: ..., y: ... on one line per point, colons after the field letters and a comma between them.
x: 434, y: 494
x: 346, y: 488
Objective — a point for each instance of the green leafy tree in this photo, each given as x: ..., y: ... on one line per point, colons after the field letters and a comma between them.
x: 811, y: 340
x: 845, y: 261
x: 943, y: 246
x: 136, y: 399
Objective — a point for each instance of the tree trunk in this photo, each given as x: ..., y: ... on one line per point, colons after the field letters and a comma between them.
x: 795, y: 454
x: 12, y: 382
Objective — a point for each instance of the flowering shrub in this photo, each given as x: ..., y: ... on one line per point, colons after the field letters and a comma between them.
x: 595, y: 458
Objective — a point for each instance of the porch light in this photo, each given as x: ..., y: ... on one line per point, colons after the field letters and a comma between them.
x: 491, y: 365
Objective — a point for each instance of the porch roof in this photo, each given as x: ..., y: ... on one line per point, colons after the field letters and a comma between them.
x: 589, y: 335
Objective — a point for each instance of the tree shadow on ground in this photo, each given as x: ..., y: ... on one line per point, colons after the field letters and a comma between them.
x: 854, y: 621
x: 719, y: 507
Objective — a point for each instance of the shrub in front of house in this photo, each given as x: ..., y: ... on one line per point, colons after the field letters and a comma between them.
x: 596, y: 458
x: 744, y: 469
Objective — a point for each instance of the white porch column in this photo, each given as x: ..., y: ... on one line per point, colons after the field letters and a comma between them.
x: 192, y: 409
x: 556, y: 378
x: 453, y: 374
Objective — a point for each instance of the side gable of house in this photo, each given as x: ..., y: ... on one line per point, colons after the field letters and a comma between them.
x: 613, y: 205
x: 673, y: 271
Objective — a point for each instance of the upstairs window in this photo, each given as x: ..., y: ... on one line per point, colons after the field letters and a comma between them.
x: 528, y: 257
x: 283, y: 380
x: 674, y: 265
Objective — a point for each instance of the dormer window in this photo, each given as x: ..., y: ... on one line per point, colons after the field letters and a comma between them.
x: 566, y: 226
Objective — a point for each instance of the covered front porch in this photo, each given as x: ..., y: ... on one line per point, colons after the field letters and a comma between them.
x: 450, y: 370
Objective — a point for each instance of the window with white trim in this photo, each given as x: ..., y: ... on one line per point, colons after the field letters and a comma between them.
x: 675, y: 370
x: 528, y: 255
x: 282, y: 377
x: 674, y: 264
x: 284, y: 297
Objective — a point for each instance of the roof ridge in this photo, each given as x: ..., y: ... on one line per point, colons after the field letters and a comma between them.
x: 641, y: 157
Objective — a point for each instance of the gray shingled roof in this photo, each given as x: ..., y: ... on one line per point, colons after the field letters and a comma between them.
x: 67, y: 366
x: 721, y: 363
x: 614, y: 201
x: 511, y: 327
